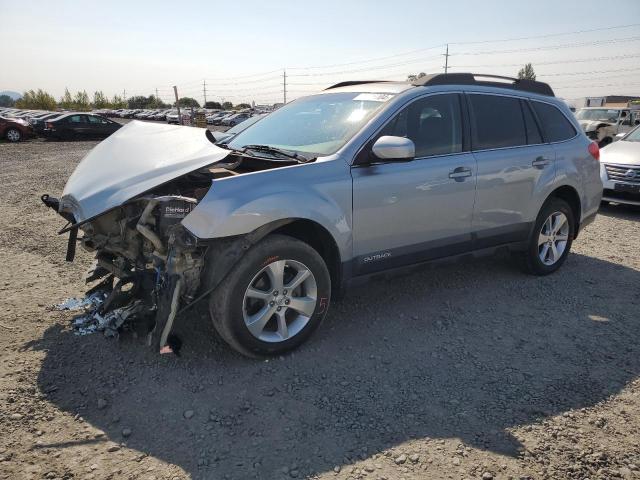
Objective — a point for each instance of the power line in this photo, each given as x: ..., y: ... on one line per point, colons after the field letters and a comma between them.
x: 602, y: 85
x: 270, y: 79
x: 585, y: 81
x: 553, y: 47
x: 592, y: 59
x: 463, y: 43
x: 589, y: 72
x: 365, y: 69
x: 547, y: 35
x: 410, y: 52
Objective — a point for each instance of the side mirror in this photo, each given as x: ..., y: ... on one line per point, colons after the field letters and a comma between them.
x: 620, y: 135
x: 394, y: 148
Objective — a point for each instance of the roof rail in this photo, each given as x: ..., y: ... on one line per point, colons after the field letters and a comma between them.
x: 470, y: 79
x: 355, y: 82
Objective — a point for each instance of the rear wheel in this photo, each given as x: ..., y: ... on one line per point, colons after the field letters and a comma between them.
x: 273, y: 299
x: 551, y: 238
x: 13, y: 135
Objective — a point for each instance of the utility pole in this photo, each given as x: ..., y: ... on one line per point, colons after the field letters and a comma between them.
x: 124, y: 95
x: 157, y: 99
x: 284, y: 85
x: 446, y: 59
x: 204, y: 90
x: 175, y: 91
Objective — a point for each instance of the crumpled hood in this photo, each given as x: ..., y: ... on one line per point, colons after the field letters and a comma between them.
x: 591, y: 125
x: 135, y: 159
x: 621, y: 152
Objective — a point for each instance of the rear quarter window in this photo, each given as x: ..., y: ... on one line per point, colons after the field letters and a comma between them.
x: 555, y: 125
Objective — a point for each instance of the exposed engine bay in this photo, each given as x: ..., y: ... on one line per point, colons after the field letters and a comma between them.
x: 147, y: 264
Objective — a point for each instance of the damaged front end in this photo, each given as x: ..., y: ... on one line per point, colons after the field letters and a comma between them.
x: 124, y: 202
x: 147, y: 263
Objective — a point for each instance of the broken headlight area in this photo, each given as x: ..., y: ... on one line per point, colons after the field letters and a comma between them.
x: 148, y: 265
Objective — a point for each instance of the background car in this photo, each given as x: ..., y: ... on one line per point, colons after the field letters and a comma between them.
x: 224, y: 137
x: 234, y: 120
x: 224, y: 115
x: 602, y: 124
x: 620, y: 169
x: 15, y: 129
x: 38, y: 123
x: 79, y: 126
x: 172, y: 117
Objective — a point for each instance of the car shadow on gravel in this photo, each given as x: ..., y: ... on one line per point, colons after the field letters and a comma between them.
x: 622, y: 211
x: 464, y: 351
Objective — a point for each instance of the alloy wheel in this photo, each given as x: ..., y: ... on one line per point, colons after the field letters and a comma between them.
x: 280, y: 300
x: 553, y: 238
x: 13, y: 135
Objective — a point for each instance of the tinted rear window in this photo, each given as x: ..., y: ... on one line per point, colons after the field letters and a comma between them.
x: 555, y: 124
x: 498, y: 122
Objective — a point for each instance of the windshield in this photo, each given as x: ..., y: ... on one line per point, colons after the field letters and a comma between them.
x: 319, y: 124
x: 633, y: 136
x: 603, y: 114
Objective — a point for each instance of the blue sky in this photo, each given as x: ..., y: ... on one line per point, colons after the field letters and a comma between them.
x: 141, y: 45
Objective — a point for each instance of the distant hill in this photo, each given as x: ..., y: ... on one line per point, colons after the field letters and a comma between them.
x: 14, y: 95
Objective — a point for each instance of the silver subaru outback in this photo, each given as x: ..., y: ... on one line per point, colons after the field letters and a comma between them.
x: 359, y: 179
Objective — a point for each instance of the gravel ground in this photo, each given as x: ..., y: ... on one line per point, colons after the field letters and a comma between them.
x: 459, y: 371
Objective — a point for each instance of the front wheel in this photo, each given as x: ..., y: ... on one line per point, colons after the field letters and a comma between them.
x: 551, y: 238
x: 13, y: 135
x: 273, y: 299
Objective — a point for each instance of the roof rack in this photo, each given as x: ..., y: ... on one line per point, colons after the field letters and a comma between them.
x: 355, y: 82
x: 470, y: 79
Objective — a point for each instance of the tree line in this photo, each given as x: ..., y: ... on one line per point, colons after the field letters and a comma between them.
x: 81, y: 102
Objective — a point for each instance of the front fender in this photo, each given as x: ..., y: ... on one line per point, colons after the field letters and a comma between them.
x: 320, y: 192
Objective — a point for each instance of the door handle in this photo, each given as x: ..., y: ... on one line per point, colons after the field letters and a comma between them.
x: 460, y: 173
x: 540, y: 162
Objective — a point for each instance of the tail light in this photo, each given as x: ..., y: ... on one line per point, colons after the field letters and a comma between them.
x: 594, y: 150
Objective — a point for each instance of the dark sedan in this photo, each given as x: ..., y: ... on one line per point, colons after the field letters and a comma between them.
x: 38, y: 123
x: 79, y: 126
x: 15, y: 129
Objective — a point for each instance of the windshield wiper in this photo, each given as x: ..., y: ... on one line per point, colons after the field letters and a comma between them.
x: 278, y: 151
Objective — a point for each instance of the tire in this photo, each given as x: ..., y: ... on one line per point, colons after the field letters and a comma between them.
x: 13, y: 135
x: 553, y: 250
x: 604, y: 142
x: 233, y: 306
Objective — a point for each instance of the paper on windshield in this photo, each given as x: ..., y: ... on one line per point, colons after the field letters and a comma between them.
x: 373, y: 97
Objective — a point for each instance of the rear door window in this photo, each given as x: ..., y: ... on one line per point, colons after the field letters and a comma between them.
x: 555, y: 125
x: 77, y: 119
x: 498, y: 122
x: 97, y: 120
